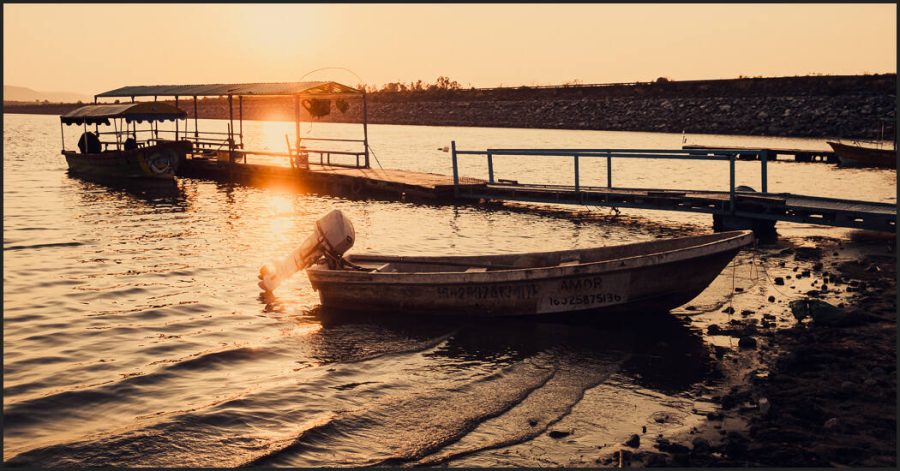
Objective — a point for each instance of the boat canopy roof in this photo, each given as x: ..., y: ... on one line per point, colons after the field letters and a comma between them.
x: 308, y: 89
x: 132, y: 112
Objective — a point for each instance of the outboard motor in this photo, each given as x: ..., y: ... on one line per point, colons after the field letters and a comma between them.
x: 333, y: 236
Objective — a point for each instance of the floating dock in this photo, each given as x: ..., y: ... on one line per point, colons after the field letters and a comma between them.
x: 734, y: 208
x: 738, y: 208
x: 742, y: 205
x: 754, y: 153
x: 332, y: 179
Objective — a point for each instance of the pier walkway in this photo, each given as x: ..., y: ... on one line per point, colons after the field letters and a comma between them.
x: 737, y: 207
x: 748, y: 205
x: 332, y: 179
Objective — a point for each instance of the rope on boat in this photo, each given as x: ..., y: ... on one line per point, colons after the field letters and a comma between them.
x: 376, y: 157
x: 770, y: 280
x: 733, y: 276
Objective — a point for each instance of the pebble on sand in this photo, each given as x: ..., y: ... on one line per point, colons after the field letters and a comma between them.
x: 634, y: 441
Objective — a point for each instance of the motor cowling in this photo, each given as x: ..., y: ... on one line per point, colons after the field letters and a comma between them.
x: 333, y: 236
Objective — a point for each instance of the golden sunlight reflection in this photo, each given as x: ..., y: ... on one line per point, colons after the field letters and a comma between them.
x: 300, y: 329
x: 272, y: 136
x: 281, y: 209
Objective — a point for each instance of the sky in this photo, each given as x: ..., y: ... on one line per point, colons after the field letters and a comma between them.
x: 93, y: 48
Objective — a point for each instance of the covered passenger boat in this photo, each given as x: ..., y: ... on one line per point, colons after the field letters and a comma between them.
x: 648, y: 276
x: 123, y: 154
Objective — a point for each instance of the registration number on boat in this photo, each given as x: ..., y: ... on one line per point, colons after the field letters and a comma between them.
x: 585, y: 293
x: 585, y: 300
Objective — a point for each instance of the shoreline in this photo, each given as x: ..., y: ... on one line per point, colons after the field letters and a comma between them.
x: 852, y: 107
x: 818, y: 392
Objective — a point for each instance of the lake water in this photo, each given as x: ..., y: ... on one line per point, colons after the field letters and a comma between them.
x: 135, y: 334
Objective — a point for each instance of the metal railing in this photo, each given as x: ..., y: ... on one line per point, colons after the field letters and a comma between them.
x: 324, y: 156
x: 729, y: 155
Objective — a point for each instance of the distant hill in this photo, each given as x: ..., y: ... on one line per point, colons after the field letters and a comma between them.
x: 13, y: 93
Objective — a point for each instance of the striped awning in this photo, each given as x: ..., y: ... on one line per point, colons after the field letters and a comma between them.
x: 132, y: 112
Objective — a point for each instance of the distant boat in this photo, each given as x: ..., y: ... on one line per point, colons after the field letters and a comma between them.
x: 127, y: 156
x: 861, y: 156
x: 648, y: 276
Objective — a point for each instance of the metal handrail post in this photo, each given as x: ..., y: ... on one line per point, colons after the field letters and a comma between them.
x: 731, y: 175
x: 455, y: 170
x: 176, y: 121
x: 764, y: 161
x: 609, y: 170
x: 577, y: 189
x: 490, y: 160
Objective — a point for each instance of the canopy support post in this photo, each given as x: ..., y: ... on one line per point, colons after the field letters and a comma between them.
x: 230, y: 129
x: 196, y: 133
x: 366, y: 127
x: 176, y: 119
x: 297, y: 128
x: 96, y: 125
x: 115, y: 123
x: 241, y: 121
x: 62, y: 134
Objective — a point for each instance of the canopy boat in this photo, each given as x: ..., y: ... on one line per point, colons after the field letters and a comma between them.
x: 862, y: 156
x: 647, y: 276
x: 126, y: 156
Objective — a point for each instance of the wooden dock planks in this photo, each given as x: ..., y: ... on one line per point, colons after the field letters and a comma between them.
x: 770, y: 206
x: 334, y: 179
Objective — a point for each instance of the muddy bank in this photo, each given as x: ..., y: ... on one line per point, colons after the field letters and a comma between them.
x: 819, y: 392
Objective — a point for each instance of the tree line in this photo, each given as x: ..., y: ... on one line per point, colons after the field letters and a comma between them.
x: 442, y: 83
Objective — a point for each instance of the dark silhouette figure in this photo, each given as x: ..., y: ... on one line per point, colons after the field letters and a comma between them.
x: 130, y: 144
x: 89, y: 143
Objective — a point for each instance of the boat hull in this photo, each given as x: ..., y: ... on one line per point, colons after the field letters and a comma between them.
x: 653, y: 282
x: 159, y: 161
x: 858, y: 156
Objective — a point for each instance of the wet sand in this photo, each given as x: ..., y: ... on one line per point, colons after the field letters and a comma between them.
x: 816, y: 391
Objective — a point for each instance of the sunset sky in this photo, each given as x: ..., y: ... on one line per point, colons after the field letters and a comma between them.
x: 93, y: 48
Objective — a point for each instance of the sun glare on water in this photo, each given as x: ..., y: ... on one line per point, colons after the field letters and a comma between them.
x: 281, y: 223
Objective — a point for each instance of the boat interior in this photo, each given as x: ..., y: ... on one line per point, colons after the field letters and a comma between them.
x: 518, y: 261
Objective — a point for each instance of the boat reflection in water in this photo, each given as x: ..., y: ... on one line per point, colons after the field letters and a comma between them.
x: 489, y: 383
x: 662, y: 352
x: 148, y: 191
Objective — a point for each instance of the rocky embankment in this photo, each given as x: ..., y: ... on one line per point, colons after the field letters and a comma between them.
x: 814, y: 106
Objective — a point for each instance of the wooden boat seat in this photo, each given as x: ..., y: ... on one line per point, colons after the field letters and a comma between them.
x: 570, y: 260
x: 384, y: 268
